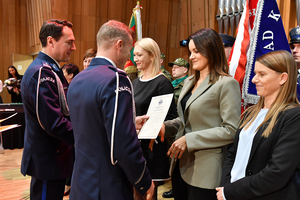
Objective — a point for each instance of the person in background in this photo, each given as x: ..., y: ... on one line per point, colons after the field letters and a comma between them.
x: 48, y: 143
x: 15, y: 89
x: 152, y: 83
x: 70, y: 71
x: 209, y: 111
x: 88, y: 56
x: 108, y: 157
x: 162, y: 68
x: 228, y: 42
x: 263, y: 161
x: 295, y: 48
x: 180, y: 68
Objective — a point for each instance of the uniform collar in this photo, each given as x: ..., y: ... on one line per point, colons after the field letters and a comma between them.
x: 107, y: 59
x: 101, y: 60
x: 51, y: 61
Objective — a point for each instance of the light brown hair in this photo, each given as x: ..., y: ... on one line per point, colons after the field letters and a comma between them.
x: 281, y: 62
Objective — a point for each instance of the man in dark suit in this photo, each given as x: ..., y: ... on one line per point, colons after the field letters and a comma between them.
x: 109, y: 161
x: 48, y: 152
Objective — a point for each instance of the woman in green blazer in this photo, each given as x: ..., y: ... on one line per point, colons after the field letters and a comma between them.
x: 209, y: 112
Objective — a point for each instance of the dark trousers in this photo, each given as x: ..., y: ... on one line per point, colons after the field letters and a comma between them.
x: 47, y: 189
x: 184, y: 191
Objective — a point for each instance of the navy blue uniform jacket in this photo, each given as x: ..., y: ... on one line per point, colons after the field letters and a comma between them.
x: 91, y: 100
x: 272, y: 163
x: 48, y: 152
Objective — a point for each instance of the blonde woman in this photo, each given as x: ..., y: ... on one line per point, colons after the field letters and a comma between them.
x: 150, y: 83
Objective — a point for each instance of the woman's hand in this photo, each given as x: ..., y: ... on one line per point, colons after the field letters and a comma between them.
x: 16, y: 90
x: 177, y: 148
x: 220, y: 193
x: 161, y: 134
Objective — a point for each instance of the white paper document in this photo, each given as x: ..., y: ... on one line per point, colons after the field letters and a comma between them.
x: 157, y: 111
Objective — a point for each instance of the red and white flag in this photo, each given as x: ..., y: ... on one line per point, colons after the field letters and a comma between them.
x: 238, y: 56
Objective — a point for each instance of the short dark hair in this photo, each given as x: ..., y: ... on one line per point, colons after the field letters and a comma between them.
x: 54, y: 29
x: 71, y: 69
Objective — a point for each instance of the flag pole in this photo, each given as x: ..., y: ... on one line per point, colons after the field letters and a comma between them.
x: 297, y: 11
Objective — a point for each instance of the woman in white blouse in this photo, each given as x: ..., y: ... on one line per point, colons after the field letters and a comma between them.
x: 262, y: 164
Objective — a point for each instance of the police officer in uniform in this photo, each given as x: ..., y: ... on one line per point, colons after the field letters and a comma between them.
x: 108, y: 158
x: 228, y: 42
x: 295, y: 47
x: 48, y: 153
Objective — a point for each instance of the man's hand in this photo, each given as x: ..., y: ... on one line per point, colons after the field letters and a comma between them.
x: 140, y: 120
x: 150, y: 192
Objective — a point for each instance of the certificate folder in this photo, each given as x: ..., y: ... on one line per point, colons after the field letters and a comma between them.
x: 157, y: 111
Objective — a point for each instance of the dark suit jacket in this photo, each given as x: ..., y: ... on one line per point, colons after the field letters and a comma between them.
x: 91, y: 99
x: 48, y: 152
x: 272, y: 163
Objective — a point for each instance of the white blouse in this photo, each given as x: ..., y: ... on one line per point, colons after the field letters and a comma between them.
x: 238, y: 170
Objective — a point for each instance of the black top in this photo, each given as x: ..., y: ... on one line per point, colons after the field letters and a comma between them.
x: 144, y: 90
x: 186, y: 98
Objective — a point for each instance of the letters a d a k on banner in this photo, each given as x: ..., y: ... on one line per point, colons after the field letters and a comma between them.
x: 267, y: 35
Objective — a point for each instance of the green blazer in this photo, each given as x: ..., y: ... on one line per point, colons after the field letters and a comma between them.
x: 209, y: 122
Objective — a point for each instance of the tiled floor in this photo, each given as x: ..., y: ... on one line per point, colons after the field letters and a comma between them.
x: 14, y: 186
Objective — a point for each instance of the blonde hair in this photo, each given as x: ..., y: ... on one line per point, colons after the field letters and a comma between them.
x: 281, y: 62
x: 152, y: 48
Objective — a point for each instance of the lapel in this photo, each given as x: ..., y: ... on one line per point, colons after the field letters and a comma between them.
x: 258, y: 137
x: 256, y: 140
x: 188, y: 84
x: 199, y: 91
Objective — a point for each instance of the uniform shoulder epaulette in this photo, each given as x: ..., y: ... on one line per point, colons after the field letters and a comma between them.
x: 53, y: 67
x: 117, y: 70
x: 46, y: 65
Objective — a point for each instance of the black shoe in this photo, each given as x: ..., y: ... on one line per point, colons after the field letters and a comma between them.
x: 168, y: 194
